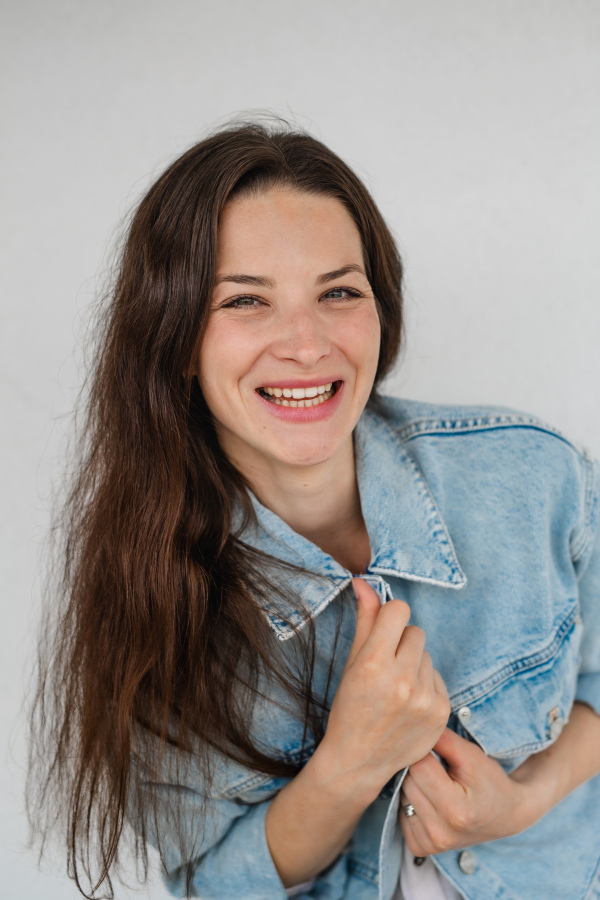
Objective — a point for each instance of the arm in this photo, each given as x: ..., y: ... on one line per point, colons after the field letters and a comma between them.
x: 476, y: 801
x: 547, y: 777
x: 378, y: 724
x: 312, y: 819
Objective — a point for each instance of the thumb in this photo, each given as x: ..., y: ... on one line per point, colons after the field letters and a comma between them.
x: 457, y: 752
x: 368, y: 604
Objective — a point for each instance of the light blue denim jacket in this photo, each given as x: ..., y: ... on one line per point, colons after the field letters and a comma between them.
x: 486, y: 522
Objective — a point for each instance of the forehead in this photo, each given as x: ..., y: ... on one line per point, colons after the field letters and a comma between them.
x: 284, y: 226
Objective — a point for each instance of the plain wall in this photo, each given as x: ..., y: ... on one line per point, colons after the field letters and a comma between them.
x: 475, y: 124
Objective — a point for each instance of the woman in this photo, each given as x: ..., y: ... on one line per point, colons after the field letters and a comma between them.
x: 219, y: 678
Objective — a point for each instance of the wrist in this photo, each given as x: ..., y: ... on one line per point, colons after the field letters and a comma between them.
x: 345, y: 786
x: 536, y: 792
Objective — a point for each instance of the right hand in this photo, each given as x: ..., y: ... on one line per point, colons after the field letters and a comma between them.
x: 391, y: 705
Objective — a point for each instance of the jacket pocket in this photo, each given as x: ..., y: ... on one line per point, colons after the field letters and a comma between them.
x: 522, y: 708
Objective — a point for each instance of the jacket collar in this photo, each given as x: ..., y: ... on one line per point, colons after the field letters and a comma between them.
x: 408, y: 536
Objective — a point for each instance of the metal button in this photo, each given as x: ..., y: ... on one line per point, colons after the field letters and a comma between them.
x: 556, y: 727
x: 466, y: 862
x: 464, y: 714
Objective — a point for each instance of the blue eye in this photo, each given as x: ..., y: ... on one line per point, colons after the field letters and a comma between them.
x: 342, y: 294
x: 244, y: 302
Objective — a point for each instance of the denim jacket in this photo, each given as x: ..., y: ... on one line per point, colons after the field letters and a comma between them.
x: 485, y: 522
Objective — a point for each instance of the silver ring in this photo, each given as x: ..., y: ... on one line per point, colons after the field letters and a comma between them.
x: 409, y: 810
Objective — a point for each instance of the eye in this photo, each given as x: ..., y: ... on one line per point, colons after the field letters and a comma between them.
x: 243, y: 302
x: 341, y: 294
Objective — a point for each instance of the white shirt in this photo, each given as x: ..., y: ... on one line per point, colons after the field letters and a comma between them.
x: 424, y: 882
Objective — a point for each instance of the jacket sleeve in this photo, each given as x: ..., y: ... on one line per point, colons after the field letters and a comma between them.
x: 225, y: 841
x: 587, y: 567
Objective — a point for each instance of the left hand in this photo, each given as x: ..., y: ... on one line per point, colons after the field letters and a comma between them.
x: 474, y: 801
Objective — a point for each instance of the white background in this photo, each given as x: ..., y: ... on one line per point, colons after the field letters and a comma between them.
x: 474, y: 123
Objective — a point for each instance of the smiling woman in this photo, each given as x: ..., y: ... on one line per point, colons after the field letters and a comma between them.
x: 310, y: 333
x: 214, y: 678
x: 301, y: 351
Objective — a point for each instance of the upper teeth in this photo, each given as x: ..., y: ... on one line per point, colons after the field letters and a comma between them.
x: 297, y: 393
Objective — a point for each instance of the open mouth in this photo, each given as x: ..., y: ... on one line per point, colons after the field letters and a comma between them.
x: 300, y: 397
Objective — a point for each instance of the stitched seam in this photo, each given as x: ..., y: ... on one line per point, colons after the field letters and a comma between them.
x: 481, y: 423
x: 583, y: 540
x: 362, y: 870
x: 594, y: 885
x: 539, y: 658
x: 241, y: 786
x: 425, y: 492
x: 259, y: 778
x: 284, y: 632
x: 423, y: 579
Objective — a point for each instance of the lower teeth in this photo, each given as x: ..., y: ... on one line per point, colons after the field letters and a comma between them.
x: 307, y: 403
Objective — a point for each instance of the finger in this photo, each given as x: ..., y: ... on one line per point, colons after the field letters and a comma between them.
x: 411, y: 648
x: 458, y: 753
x: 389, y: 627
x: 415, y: 831
x: 415, y: 836
x: 432, y: 780
x: 368, y: 607
x: 426, y: 670
x: 412, y: 793
x: 429, y: 819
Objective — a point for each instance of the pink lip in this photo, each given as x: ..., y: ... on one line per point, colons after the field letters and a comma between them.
x: 299, y: 383
x: 302, y: 414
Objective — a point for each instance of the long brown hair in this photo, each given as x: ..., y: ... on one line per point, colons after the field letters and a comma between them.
x: 154, y: 627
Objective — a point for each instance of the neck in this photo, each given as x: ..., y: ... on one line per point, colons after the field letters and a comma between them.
x: 320, y: 502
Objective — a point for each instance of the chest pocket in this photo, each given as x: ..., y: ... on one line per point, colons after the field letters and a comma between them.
x: 523, y: 707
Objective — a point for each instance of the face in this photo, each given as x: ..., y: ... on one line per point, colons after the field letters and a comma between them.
x: 290, y: 353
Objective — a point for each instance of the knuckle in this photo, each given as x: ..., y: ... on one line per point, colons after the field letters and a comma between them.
x: 441, y: 839
x: 460, y: 819
x: 421, y: 703
x: 370, y: 669
x: 405, y: 690
x: 370, y: 662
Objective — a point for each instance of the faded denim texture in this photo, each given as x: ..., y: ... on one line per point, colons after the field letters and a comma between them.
x: 486, y: 522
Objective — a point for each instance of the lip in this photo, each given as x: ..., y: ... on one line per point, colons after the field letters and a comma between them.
x: 302, y: 415
x: 300, y: 383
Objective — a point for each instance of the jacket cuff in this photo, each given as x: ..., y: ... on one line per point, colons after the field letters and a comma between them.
x: 588, y: 690
x: 248, y: 862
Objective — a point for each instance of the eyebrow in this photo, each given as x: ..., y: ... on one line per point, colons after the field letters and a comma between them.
x: 257, y: 280
x: 263, y: 281
x: 339, y: 273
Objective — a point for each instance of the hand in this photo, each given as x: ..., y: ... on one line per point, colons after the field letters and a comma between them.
x: 474, y: 801
x: 391, y: 705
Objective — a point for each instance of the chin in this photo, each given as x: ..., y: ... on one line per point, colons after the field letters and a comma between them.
x: 303, y: 457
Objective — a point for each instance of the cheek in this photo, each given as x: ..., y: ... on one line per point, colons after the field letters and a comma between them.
x: 364, y: 339
x: 215, y: 367
x: 227, y: 354
x: 220, y: 354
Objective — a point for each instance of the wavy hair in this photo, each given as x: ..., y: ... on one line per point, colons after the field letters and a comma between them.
x: 154, y: 623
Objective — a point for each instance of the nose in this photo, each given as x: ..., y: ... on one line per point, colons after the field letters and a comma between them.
x: 302, y: 338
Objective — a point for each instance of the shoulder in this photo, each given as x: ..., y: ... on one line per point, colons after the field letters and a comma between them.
x: 497, y: 452
x: 412, y: 419
x: 473, y: 433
